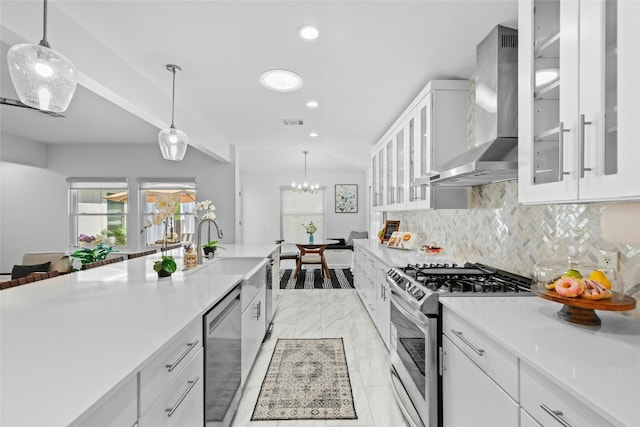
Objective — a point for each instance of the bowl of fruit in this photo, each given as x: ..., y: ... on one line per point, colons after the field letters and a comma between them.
x: 581, y: 288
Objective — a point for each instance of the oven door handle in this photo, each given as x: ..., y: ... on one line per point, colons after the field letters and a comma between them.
x: 422, y: 323
x: 401, y: 396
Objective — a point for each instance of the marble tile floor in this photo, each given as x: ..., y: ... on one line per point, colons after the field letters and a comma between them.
x: 326, y: 313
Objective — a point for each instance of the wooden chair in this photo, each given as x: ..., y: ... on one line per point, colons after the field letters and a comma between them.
x: 287, y: 255
x: 312, y: 255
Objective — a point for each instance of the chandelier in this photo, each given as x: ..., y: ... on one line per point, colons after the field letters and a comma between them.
x: 305, y: 187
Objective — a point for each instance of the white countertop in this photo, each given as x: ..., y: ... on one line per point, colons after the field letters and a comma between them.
x: 398, y: 257
x: 245, y: 251
x: 600, y: 367
x: 67, y: 341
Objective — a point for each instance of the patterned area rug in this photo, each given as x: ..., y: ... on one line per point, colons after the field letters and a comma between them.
x: 312, y: 279
x: 307, y: 379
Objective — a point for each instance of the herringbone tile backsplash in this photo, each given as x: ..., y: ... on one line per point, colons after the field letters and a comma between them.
x: 497, y: 231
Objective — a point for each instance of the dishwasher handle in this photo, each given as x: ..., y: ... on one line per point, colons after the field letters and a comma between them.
x: 221, y: 310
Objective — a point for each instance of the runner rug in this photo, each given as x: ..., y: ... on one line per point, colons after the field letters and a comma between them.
x: 312, y: 279
x: 307, y: 379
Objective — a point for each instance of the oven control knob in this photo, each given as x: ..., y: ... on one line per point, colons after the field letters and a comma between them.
x: 419, y: 294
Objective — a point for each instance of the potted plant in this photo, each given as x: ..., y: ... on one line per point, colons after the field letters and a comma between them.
x: 88, y: 255
x: 211, y: 247
x: 165, y: 266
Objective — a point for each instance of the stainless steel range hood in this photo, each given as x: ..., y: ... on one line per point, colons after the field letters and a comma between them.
x: 495, y: 156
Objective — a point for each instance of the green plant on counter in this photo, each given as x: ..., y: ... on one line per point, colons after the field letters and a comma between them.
x: 87, y: 255
x: 167, y: 263
x: 212, y: 244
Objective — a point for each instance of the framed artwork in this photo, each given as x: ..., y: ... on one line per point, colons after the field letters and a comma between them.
x: 346, y: 198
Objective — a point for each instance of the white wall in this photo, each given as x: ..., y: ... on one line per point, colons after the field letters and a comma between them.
x: 33, y: 200
x: 261, y: 203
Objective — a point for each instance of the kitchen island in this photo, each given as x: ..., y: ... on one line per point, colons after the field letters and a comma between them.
x: 70, y: 342
x: 599, y: 368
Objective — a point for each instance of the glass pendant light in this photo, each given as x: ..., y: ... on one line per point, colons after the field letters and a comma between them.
x: 42, y: 77
x: 305, y: 187
x: 173, y: 142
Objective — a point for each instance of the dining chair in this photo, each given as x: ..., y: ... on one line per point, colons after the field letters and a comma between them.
x: 312, y: 256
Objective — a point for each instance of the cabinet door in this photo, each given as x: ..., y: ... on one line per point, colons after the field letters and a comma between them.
x: 423, y: 142
x: 470, y: 397
x: 253, y: 330
x: 609, y: 101
x: 548, y: 100
x: 383, y: 306
x: 249, y: 334
x: 578, y: 100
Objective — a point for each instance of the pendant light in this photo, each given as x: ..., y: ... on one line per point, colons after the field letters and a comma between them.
x: 305, y: 187
x: 43, y: 78
x: 173, y: 142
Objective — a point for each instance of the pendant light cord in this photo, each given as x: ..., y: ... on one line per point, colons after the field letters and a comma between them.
x: 44, y: 41
x: 173, y: 95
x: 305, y: 165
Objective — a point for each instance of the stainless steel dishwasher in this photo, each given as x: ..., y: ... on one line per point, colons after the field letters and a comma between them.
x: 222, y: 355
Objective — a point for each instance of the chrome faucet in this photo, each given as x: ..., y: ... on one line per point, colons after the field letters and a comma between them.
x: 218, y: 229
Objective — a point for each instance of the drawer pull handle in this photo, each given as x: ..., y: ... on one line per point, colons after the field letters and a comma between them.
x: 191, y: 383
x: 556, y: 415
x: 174, y: 365
x: 479, y: 351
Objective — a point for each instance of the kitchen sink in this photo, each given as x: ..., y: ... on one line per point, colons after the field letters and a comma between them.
x: 243, y: 266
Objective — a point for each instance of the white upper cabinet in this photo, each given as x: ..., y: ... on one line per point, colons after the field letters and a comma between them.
x: 430, y: 131
x: 579, y: 100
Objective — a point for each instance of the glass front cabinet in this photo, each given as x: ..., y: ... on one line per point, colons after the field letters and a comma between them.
x: 430, y: 131
x: 579, y: 100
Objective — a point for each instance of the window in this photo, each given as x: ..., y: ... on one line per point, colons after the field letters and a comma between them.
x: 98, y: 211
x: 180, y: 226
x: 298, y: 208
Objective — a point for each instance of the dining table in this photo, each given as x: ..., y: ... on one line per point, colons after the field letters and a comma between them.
x: 317, y: 248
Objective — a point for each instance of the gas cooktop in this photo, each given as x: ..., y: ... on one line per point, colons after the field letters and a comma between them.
x: 420, y: 282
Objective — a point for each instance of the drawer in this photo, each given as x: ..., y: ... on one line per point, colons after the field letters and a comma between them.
x: 182, y: 402
x: 552, y: 406
x: 491, y: 357
x: 156, y: 375
x: 251, y: 285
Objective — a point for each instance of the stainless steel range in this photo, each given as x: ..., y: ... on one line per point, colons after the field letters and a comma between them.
x: 415, y: 327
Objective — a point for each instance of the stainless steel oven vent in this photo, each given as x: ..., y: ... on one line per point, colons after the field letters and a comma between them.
x: 495, y: 155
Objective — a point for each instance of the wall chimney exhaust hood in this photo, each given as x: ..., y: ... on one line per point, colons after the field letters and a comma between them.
x: 495, y: 156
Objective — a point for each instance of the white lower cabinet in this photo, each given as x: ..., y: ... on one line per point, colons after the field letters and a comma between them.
x: 181, y: 404
x: 552, y: 406
x: 254, y: 327
x: 118, y: 410
x: 527, y: 420
x: 469, y: 396
x: 480, y: 385
x: 370, y: 282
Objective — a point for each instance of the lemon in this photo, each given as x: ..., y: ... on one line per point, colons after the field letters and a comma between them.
x: 573, y: 273
x: 600, y: 277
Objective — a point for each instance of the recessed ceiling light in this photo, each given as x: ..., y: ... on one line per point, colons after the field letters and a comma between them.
x: 313, y: 134
x: 312, y: 104
x: 281, y: 80
x: 308, y: 32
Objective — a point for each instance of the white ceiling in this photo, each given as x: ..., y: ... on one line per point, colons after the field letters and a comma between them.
x: 371, y: 59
